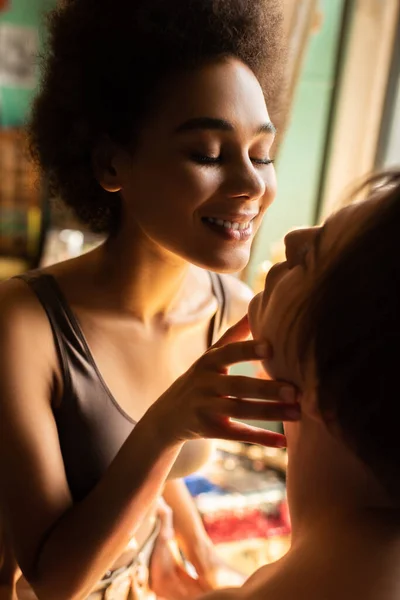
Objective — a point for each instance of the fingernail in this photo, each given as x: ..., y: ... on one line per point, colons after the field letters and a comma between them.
x: 288, y: 394
x: 263, y: 350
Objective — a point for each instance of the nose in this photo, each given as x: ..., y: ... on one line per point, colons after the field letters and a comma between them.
x: 247, y: 181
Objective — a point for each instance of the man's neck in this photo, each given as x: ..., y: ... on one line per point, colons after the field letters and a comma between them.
x: 325, y: 479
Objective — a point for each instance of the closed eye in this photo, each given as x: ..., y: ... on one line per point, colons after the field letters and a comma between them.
x: 262, y: 161
x: 204, y: 159
x: 212, y: 160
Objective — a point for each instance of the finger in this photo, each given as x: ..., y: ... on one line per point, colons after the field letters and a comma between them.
x: 172, y: 588
x: 236, y: 352
x: 240, y: 386
x: 239, y: 432
x: 260, y: 411
x: 191, y: 586
x: 205, y: 584
x: 239, y: 331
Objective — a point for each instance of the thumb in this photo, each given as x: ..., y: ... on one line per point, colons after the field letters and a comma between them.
x: 191, y: 585
x: 236, y: 333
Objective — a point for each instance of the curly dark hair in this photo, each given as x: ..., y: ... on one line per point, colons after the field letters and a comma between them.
x: 103, y: 62
x: 351, y: 324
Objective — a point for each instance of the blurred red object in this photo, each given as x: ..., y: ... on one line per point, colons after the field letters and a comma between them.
x: 285, y: 515
x: 4, y: 4
x: 229, y: 526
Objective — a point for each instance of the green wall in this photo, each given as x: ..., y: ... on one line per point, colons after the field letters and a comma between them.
x: 302, y: 153
x: 14, y: 102
x: 392, y: 154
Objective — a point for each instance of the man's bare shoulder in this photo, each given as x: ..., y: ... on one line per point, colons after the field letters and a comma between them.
x: 265, y: 584
x: 226, y: 594
x: 255, y: 593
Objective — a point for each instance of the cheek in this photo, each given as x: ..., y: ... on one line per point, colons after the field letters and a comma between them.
x: 279, y: 327
x: 270, y: 189
x: 197, y: 184
x: 181, y: 188
x: 260, y: 327
x: 172, y: 196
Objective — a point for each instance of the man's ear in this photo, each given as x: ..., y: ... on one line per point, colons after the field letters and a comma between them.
x: 108, y: 161
x: 310, y: 404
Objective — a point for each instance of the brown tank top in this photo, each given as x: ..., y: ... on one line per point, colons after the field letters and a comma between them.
x: 91, y: 425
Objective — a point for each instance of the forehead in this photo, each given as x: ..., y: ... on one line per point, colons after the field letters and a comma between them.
x: 225, y: 89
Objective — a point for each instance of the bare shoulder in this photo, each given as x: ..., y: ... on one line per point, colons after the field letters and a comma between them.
x: 33, y: 487
x: 226, y: 594
x: 254, y: 588
x: 239, y: 295
x: 18, y: 305
x: 17, y: 299
x: 24, y: 326
x: 244, y: 594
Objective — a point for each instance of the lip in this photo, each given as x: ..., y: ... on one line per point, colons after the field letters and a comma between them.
x: 233, y: 218
x: 230, y: 234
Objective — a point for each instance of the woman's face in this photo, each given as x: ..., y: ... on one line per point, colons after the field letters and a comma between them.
x: 201, y: 177
x: 273, y: 312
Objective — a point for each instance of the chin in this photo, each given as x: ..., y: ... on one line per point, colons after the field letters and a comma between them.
x: 223, y: 262
x: 254, y: 315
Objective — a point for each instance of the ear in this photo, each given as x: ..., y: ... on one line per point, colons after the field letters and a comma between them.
x: 108, y: 163
x: 310, y: 405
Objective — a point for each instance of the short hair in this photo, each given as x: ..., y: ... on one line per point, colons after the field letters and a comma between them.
x: 101, y: 67
x: 351, y: 325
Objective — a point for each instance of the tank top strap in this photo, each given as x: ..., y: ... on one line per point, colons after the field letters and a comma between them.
x: 219, y: 321
x: 66, y: 333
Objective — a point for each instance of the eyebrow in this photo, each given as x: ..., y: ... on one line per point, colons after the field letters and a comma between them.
x: 209, y: 123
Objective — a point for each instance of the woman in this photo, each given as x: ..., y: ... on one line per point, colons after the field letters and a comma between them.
x: 152, y: 124
x: 331, y: 314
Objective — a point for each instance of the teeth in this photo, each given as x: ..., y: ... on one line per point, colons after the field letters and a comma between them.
x: 229, y: 224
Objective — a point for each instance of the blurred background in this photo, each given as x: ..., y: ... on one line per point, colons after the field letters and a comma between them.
x: 343, y: 79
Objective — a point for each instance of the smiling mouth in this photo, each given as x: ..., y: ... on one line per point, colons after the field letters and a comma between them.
x: 233, y: 230
x: 230, y: 224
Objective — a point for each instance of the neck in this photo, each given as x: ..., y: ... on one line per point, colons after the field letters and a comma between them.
x: 146, y: 280
x: 327, y: 482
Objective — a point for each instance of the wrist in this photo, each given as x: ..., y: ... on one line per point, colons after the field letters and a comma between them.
x: 160, y: 434
x: 195, y: 545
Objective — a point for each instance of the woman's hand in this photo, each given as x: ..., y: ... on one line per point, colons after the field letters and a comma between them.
x: 202, y: 402
x: 195, y: 543
x: 212, y: 571
x: 169, y: 579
